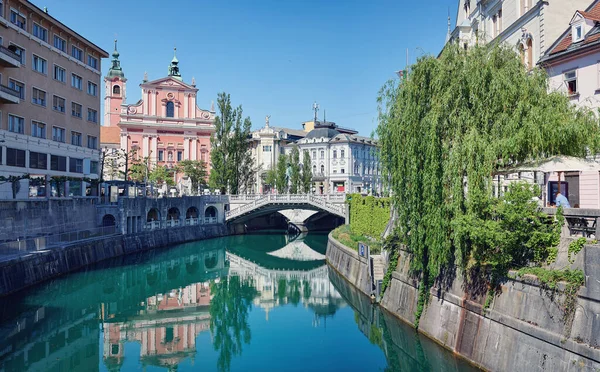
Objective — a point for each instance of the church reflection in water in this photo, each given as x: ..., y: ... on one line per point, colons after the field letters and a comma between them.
x: 161, y: 301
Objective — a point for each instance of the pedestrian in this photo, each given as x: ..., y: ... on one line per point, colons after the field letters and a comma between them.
x: 562, y: 201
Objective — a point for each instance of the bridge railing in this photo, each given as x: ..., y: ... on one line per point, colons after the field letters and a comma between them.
x: 330, y: 203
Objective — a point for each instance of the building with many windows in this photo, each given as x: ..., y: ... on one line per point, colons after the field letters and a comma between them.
x: 49, y: 104
x: 165, y: 125
x: 530, y: 26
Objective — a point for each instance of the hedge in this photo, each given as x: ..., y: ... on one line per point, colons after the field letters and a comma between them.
x: 368, y: 215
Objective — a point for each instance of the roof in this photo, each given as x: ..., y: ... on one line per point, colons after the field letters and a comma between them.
x: 556, y: 164
x: 110, y: 135
x: 355, y: 139
x: 322, y: 132
x: 565, y: 45
x: 293, y: 132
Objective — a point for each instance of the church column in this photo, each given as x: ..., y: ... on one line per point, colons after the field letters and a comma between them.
x: 186, y: 97
x: 190, y: 105
x: 193, y: 104
x: 145, y: 105
x: 124, y: 141
x: 177, y: 108
x: 186, y: 148
x: 155, y: 100
x: 145, y: 145
x: 154, y: 154
x: 152, y: 102
x: 194, y: 149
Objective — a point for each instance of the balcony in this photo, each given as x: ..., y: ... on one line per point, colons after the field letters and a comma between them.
x: 9, y: 95
x: 9, y: 58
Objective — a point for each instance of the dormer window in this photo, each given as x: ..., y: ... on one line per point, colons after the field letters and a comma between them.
x: 577, y: 33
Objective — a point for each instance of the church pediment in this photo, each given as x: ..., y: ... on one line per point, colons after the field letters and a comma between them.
x: 169, y: 83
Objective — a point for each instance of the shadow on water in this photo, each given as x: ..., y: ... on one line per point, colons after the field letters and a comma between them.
x: 405, y: 349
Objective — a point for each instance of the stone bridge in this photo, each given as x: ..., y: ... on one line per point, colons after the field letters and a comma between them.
x: 248, y: 207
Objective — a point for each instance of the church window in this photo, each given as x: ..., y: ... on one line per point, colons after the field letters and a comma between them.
x: 161, y: 155
x: 117, y: 90
x: 170, y: 109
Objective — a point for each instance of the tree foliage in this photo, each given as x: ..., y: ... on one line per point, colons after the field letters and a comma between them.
x: 231, y: 160
x: 368, y: 215
x: 295, y: 179
x: 281, y: 182
x: 161, y: 175
x: 307, y: 175
x: 196, y: 171
x: 445, y: 130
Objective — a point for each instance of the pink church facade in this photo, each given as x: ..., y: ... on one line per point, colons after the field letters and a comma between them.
x: 165, y: 125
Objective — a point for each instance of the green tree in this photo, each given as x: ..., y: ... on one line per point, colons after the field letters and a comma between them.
x: 306, y: 173
x: 282, y: 182
x: 271, y: 177
x: 232, y: 164
x: 196, y: 171
x: 458, y: 119
x: 295, y: 180
x: 161, y: 175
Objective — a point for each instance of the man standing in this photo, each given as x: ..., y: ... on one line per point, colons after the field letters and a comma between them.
x: 562, y: 201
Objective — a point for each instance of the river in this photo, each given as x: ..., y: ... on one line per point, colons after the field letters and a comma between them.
x: 240, y: 303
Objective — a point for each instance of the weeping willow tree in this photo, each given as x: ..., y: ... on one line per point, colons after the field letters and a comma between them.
x: 447, y: 128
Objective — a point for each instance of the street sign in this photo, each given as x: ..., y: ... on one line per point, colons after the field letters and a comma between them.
x: 363, y: 250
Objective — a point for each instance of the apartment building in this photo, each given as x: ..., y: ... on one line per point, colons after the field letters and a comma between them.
x: 49, y: 104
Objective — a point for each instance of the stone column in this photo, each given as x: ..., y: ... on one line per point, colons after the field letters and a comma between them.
x: 186, y: 148
x: 194, y: 149
x: 124, y: 141
x: 177, y: 107
x: 145, y: 145
x: 193, y: 105
x: 154, y: 155
x: 186, y: 97
x: 155, y: 99
x: 145, y: 97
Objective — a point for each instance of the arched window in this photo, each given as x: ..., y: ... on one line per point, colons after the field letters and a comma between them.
x: 117, y: 90
x: 170, y: 109
x: 322, y: 169
x: 314, y: 168
x: 529, y: 54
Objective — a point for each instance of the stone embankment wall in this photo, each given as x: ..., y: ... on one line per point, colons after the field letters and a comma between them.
x: 522, y: 330
x: 22, y: 219
x: 347, y: 262
x: 25, y: 271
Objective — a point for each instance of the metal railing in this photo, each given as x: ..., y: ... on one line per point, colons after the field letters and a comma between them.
x: 52, y: 241
x: 333, y: 203
x: 10, y: 53
x: 10, y: 91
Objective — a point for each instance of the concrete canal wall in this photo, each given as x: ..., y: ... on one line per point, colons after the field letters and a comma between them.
x: 522, y: 330
x: 21, y: 272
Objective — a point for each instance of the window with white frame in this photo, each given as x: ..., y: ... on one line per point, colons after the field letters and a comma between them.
x: 76, y: 82
x: 335, y: 154
x: 16, y: 124
x: 58, y: 134
x: 92, y: 115
x: 58, y: 103
x: 17, y: 86
x: 40, y: 32
x: 38, y: 97
x: 38, y: 129
x: 59, y: 73
x: 76, y: 109
x: 18, y: 19
x: 75, y: 138
x: 60, y: 43
x: 77, y: 53
x: 342, y: 154
x: 39, y: 64
x: 577, y: 32
x: 92, y: 89
x: 92, y: 62
x: 570, y: 79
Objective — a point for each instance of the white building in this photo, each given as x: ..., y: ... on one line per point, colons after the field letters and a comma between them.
x: 341, y: 160
x: 531, y: 26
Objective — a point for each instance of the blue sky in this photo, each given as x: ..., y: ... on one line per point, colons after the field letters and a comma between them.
x: 274, y: 57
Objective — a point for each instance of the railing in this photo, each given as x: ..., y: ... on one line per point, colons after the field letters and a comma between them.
x: 53, y: 241
x: 329, y: 203
x: 11, y: 91
x: 579, y: 221
x: 209, y: 220
x: 10, y: 53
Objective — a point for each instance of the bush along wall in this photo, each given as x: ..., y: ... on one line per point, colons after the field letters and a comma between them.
x: 368, y: 215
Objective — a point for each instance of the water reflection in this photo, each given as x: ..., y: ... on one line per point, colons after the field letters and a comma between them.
x: 162, y: 301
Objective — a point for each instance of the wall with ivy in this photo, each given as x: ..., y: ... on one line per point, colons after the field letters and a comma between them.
x: 368, y: 215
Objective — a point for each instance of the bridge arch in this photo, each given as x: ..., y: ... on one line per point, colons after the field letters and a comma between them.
x: 173, y: 213
x: 108, y: 220
x: 153, y: 215
x: 192, y: 212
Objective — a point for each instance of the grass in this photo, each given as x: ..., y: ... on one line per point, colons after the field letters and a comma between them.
x: 344, y: 235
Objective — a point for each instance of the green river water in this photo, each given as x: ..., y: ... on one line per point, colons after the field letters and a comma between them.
x: 241, y: 303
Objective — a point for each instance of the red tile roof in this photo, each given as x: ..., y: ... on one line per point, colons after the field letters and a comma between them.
x: 593, y: 14
x: 110, y: 135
